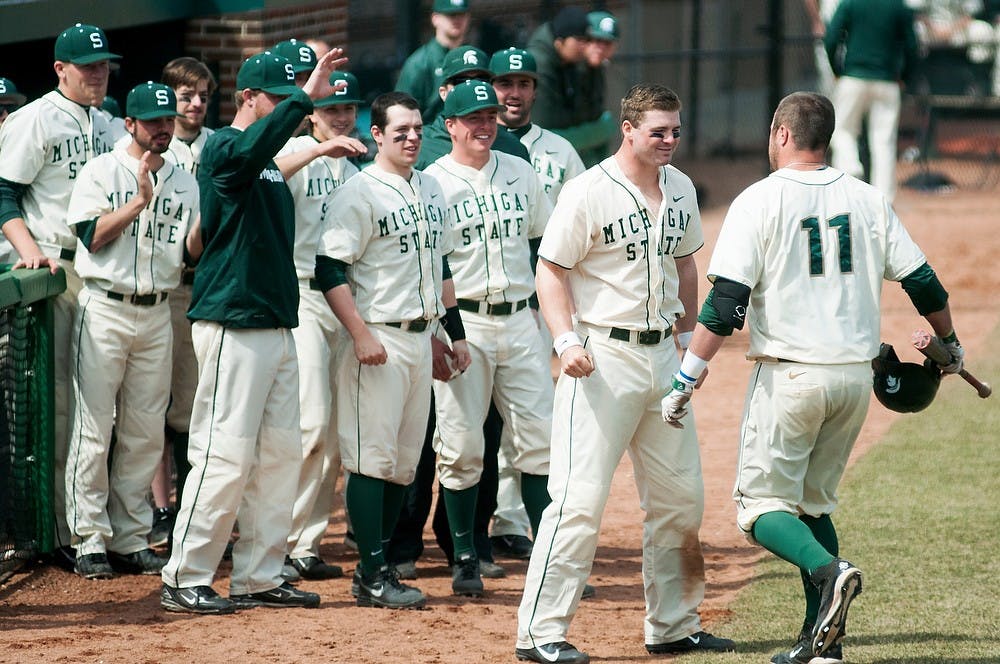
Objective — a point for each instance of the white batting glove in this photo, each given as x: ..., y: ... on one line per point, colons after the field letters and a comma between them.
x: 957, y: 354
x: 673, y: 406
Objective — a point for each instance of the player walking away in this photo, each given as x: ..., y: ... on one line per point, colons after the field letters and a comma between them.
x: 43, y: 146
x: 871, y: 46
x: 131, y: 211
x: 193, y: 85
x: 423, y: 72
x: 10, y: 98
x: 805, y: 251
x: 382, y: 269
x: 619, y: 250
x: 464, y: 63
x: 314, y: 166
x: 498, y: 206
x: 245, y: 446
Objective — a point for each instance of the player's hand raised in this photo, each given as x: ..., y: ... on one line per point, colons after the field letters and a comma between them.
x: 145, y: 182
x: 576, y: 362
x: 318, y: 85
x: 369, y: 350
x: 342, y: 146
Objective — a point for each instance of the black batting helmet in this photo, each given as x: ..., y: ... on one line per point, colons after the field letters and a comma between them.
x: 904, y: 387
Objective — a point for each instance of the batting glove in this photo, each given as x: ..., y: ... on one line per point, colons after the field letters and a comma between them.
x: 957, y: 354
x: 673, y: 406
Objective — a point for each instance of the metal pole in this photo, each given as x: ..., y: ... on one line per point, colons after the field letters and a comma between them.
x: 693, y: 77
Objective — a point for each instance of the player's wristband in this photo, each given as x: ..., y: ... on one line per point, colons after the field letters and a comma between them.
x: 684, y: 339
x: 452, y: 322
x: 950, y: 339
x: 692, y: 366
x: 565, y: 340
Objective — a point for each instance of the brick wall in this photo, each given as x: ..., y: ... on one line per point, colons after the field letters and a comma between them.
x: 223, y: 42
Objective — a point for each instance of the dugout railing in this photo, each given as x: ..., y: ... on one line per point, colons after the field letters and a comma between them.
x: 26, y: 414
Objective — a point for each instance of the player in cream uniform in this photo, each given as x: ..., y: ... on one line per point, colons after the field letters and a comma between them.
x: 515, y: 75
x: 131, y: 210
x: 382, y: 269
x: 313, y: 175
x: 43, y: 146
x: 497, y: 206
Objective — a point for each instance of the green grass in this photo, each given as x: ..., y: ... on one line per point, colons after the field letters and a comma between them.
x: 920, y: 515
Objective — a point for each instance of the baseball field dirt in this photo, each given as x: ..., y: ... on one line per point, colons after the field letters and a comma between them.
x: 48, y: 615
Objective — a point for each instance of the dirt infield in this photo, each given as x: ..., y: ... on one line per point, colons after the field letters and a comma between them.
x: 52, y: 616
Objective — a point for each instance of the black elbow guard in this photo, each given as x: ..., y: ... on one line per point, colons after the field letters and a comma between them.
x: 731, y: 299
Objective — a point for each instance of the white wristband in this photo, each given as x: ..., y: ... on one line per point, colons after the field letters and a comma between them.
x: 565, y: 340
x: 684, y: 339
x: 692, y: 366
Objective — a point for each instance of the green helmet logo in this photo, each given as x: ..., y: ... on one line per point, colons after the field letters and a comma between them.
x: 904, y: 387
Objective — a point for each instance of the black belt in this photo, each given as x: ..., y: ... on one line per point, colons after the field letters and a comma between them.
x: 187, y: 277
x: 67, y: 254
x: 642, y: 337
x: 499, y: 309
x: 142, y: 300
x: 418, y: 325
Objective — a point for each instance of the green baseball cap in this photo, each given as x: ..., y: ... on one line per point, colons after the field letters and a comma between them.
x: 268, y: 72
x: 149, y: 101
x: 450, y: 6
x: 602, y: 25
x: 469, y: 97
x: 111, y: 105
x: 9, y: 93
x: 513, y: 61
x: 83, y: 44
x: 300, y: 54
x: 463, y: 60
x: 349, y: 95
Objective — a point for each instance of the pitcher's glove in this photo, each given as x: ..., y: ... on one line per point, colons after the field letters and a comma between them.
x: 957, y: 354
x: 673, y: 406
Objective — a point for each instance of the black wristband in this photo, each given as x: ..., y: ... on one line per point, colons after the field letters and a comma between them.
x: 452, y: 322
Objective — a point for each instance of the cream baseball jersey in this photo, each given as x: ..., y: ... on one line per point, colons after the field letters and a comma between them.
x: 188, y: 155
x: 45, y: 144
x: 147, y: 257
x: 554, y: 158
x: 619, y: 252
x: 494, y: 211
x: 819, y: 244
x: 312, y: 189
x: 392, y: 233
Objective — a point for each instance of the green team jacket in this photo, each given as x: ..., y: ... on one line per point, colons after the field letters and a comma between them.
x: 246, y: 275
x: 570, y: 100
x: 879, y: 40
x: 437, y: 143
x: 421, y: 78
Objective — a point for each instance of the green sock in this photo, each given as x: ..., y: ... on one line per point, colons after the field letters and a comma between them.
x: 392, y: 505
x: 461, y: 508
x: 824, y: 532
x: 535, y: 495
x: 788, y: 538
x: 365, y: 498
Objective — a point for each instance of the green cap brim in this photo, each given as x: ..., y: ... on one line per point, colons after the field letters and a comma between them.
x: 16, y: 98
x: 299, y: 68
x: 281, y: 90
x: 472, y: 108
x: 95, y: 57
x: 155, y: 115
x: 334, y: 100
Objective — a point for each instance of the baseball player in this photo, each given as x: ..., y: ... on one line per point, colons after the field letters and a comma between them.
x: 10, y: 98
x: 193, y: 84
x: 423, y: 71
x: 245, y: 447
x: 43, y: 146
x: 314, y: 166
x: 618, y: 249
x: 515, y: 82
x: 381, y: 267
x: 131, y: 211
x: 802, y: 255
x: 498, y: 206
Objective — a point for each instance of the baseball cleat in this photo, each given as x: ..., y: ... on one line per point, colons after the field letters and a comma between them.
x: 284, y: 596
x: 511, y: 546
x: 382, y: 589
x: 560, y: 651
x: 839, y: 582
x: 406, y: 569
x: 93, y: 566
x: 144, y: 561
x: 589, y: 591
x: 163, y: 523
x: 199, y: 599
x: 289, y: 572
x: 697, y: 641
x: 490, y: 570
x: 465, y: 578
x: 802, y: 652
x: 314, y: 568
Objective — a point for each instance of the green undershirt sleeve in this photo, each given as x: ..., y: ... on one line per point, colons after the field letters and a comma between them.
x: 11, y: 194
x: 925, y: 290
x: 330, y: 272
x: 709, y: 317
x: 85, y: 231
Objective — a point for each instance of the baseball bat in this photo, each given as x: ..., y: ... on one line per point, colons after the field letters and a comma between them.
x: 932, y: 347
